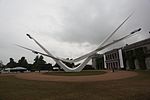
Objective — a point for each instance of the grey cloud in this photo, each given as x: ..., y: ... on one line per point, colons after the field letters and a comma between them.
x: 68, y: 21
x: 92, y: 21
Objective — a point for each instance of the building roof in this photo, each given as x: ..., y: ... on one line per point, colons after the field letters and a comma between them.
x: 112, y: 51
x: 137, y: 44
x: 97, y: 55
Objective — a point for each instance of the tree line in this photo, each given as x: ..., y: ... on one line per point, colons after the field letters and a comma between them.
x: 38, y: 64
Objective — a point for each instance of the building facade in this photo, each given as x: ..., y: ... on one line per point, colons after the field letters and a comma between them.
x: 98, y: 61
x: 137, y: 55
x: 113, y: 59
x: 133, y: 56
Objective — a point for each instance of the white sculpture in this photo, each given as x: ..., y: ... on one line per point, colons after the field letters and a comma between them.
x: 87, y: 56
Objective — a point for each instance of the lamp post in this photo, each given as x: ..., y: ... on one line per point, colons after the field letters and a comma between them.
x: 136, y: 31
x: 29, y: 36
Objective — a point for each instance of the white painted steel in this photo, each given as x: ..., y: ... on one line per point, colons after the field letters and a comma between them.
x: 121, y: 59
x: 87, y: 57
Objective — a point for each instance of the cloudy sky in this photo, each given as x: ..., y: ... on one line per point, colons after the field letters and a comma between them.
x: 67, y: 28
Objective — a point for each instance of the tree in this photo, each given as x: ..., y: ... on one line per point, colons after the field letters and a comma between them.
x: 35, y: 64
x: 39, y: 62
x: 11, y: 64
x: 1, y: 64
x: 23, y: 62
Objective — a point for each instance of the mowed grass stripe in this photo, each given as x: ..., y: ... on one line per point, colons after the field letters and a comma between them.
x: 82, y: 73
x: 135, y: 88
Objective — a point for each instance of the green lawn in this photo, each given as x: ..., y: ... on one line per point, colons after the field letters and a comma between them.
x: 82, y: 73
x: 136, y: 88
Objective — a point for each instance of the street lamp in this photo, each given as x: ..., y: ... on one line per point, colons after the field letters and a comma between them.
x: 136, y: 31
x: 29, y: 36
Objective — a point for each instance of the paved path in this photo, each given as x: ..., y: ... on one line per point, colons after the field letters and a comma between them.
x: 103, y: 77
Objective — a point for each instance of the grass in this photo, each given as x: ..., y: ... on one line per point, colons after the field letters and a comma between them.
x: 135, y: 88
x: 82, y: 73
